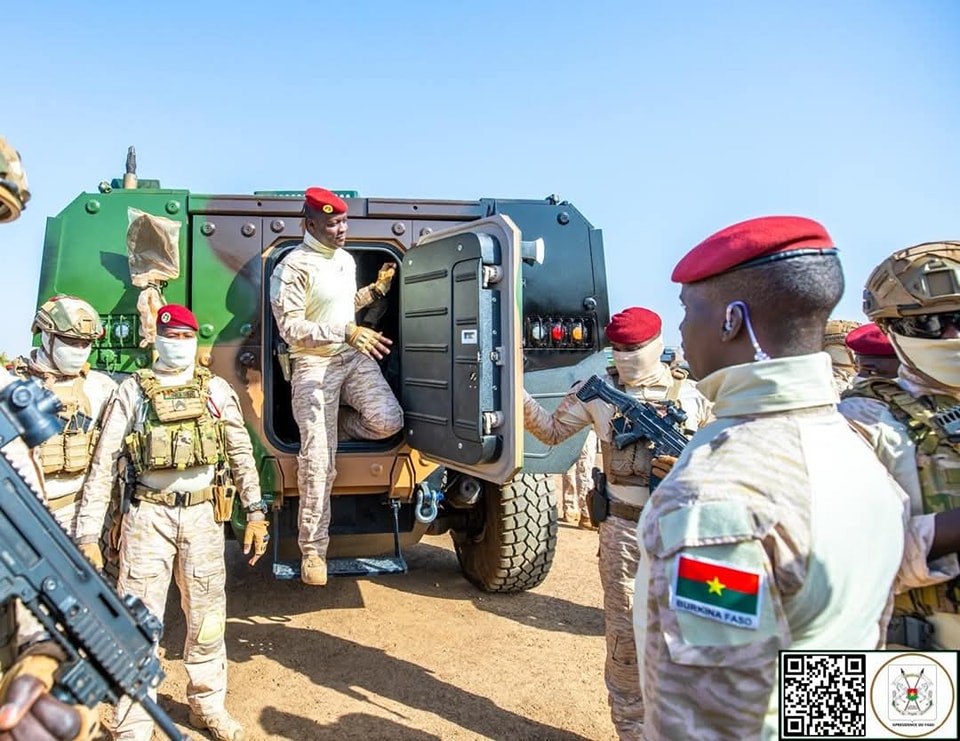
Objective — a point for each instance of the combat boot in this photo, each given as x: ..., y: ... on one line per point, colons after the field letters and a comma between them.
x: 586, y: 523
x: 313, y: 570
x: 222, y: 726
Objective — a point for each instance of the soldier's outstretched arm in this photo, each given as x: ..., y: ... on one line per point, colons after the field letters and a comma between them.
x: 288, y: 291
x: 570, y: 416
x: 118, y: 419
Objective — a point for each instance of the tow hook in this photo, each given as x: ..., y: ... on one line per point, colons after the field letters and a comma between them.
x: 427, y: 501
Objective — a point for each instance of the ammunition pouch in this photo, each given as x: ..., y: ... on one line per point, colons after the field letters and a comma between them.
x: 598, y: 500
x: 624, y: 511
x: 57, y: 504
x: 173, y: 498
x: 912, y: 631
x: 179, y: 431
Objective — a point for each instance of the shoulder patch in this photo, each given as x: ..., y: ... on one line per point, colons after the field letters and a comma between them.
x: 716, y: 590
x: 713, y: 523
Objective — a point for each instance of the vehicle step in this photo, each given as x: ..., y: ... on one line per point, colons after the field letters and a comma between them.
x: 346, y: 567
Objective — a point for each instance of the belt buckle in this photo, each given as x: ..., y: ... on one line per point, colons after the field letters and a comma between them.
x: 180, y: 498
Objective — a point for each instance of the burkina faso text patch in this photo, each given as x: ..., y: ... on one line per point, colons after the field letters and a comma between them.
x: 717, y: 591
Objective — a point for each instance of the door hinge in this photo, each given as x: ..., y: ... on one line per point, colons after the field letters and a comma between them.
x: 491, y: 420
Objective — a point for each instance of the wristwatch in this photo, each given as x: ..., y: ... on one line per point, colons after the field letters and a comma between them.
x: 257, y: 506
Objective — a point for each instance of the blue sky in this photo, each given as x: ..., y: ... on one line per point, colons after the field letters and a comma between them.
x: 661, y: 121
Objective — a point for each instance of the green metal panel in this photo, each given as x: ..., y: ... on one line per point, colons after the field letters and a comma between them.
x: 85, y: 254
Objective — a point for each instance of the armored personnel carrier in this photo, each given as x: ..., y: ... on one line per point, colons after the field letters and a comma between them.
x: 491, y: 296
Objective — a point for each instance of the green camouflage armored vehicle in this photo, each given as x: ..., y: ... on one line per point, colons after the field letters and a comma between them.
x: 491, y: 296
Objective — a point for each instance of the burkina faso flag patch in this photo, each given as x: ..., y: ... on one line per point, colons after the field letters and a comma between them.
x: 717, y: 591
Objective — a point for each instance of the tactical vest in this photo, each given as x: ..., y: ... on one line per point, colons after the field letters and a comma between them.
x: 630, y: 465
x: 938, y: 467
x: 178, y: 431
x: 70, y: 451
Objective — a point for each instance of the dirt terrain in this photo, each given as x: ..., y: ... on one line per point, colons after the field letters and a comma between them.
x: 419, y: 656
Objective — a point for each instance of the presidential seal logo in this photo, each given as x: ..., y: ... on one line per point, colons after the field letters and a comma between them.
x: 912, y: 695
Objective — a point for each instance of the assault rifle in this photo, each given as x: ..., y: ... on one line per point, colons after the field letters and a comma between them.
x: 109, y: 642
x: 641, y: 420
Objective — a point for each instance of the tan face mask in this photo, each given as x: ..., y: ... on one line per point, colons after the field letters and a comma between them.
x: 938, y: 359
x: 640, y: 367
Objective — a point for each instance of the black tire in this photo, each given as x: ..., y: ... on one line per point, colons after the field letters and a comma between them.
x: 514, y: 548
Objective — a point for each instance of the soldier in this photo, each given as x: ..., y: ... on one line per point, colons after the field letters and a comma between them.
x: 575, y: 483
x: 182, y: 431
x: 834, y: 344
x: 637, y: 347
x: 914, y: 297
x: 873, y: 354
x: 27, y: 669
x: 68, y: 326
x: 314, y: 298
x: 756, y: 541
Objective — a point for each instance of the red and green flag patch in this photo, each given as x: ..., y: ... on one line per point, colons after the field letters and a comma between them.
x: 717, y: 591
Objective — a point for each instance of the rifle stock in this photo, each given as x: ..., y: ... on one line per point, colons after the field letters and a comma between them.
x: 109, y: 642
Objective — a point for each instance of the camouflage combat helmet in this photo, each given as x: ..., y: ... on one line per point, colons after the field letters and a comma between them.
x: 14, y: 192
x: 68, y: 316
x: 923, y: 279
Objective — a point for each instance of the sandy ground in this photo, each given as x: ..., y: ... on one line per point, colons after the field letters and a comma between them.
x: 418, y: 656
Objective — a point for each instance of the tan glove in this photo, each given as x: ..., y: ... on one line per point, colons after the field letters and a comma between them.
x: 662, y: 465
x: 385, y: 278
x: 92, y: 551
x: 28, y: 711
x: 256, y: 536
x: 368, y: 341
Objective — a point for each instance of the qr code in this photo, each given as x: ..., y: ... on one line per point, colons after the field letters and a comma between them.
x: 824, y: 695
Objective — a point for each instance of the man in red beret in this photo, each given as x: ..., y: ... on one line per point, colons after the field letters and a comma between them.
x: 182, y: 433
x: 873, y: 354
x: 910, y: 418
x: 634, y: 335
x: 314, y: 297
x: 747, y: 546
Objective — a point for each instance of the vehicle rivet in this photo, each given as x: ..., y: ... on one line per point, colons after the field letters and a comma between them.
x: 93, y: 206
x: 246, y: 329
x: 206, y: 330
x: 172, y: 207
x: 208, y: 228
x: 277, y: 225
x: 248, y: 229
x: 205, y: 360
x: 142, y: 361
x: 459, y: 248
x: 563, y: 218
x: 399, y: 228
x: 425, y: 231
x: 376, y: 469
x: 459, y: 446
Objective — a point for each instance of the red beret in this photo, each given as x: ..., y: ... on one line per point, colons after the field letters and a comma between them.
x: 633, y: 326
x: 325, y: 201
x: 753, y: 242
x: 869, y: 339
x: 174, y: 315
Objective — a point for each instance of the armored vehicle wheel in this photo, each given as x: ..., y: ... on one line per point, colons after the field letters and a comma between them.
x: 514, y: 546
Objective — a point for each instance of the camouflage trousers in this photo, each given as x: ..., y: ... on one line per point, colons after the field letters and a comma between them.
x: 370, y: 411
x: 157, y: 542
x: 619, y: 558
x: 577, y: 481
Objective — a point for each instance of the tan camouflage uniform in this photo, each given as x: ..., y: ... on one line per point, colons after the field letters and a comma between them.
x: 313, y: 295
x: 771, y: 486
x: 577, y: 481
x: 158, y: 541
x: 905, y: 461
x: 841, y: 356
x: 618, y: 540
x: 63, y: 489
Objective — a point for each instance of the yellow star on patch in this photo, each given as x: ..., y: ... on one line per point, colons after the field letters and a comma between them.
x: 716, y: 587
